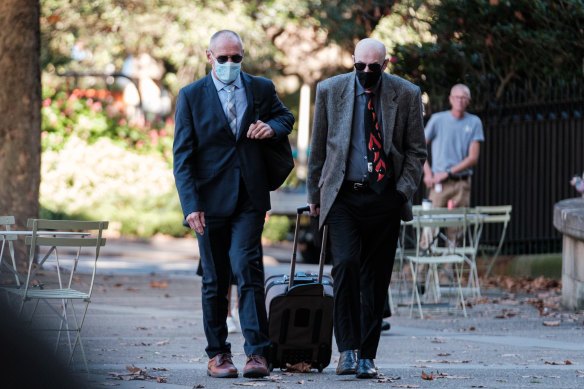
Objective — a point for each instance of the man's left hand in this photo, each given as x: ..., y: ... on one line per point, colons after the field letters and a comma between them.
x: 260, y: 130
x: 439, y: 177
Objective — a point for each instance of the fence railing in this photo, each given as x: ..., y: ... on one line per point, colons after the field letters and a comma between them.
x: 530, y: 153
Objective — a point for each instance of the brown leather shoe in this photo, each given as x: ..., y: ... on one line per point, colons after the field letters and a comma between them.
x: 221, y: 366
x: 255, y: 367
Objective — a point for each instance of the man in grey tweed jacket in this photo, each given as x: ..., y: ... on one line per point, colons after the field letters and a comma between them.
x: 362, y: 191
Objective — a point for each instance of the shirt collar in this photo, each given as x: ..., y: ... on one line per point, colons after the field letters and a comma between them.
x: 220, y: 85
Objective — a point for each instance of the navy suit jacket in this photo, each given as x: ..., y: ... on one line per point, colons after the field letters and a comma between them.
x: 209, y: 161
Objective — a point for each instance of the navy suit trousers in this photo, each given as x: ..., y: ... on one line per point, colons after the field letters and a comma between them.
x: 234, y: 243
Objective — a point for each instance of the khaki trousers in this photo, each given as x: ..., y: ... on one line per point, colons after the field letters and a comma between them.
x: 459, y: 191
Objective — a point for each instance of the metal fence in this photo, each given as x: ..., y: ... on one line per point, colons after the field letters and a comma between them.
x: 534, y: 145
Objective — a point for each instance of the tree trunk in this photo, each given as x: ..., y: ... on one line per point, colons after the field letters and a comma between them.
x: 20, y: 112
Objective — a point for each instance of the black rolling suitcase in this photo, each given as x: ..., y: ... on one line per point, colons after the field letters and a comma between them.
x: 300, y: 313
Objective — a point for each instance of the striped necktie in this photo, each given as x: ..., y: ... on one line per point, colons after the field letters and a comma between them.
x: 231, y: 114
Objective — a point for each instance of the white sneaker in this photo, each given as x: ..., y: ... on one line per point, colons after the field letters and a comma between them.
x: 231, y: 325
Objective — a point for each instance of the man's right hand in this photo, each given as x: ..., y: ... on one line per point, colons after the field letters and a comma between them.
x: 314, y: 209
x: 196, y: 221
x: 429, y: 180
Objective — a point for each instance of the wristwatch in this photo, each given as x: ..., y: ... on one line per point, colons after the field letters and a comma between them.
x: 448, y: 172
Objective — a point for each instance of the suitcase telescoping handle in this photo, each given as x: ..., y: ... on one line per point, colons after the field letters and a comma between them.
x: 299, y: 212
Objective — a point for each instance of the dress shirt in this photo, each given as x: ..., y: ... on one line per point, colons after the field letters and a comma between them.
x: 240, y: 98
x: 357, y: 161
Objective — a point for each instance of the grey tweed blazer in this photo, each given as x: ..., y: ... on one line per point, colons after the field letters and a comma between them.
x: 403, y: 138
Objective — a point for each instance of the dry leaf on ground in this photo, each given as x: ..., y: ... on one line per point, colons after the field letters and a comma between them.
x: 558, y: 362
x: 300, y: 367
x: 553, y: 323
x: 158, y: 284
x: 427, y: 377
x: 133, y: 369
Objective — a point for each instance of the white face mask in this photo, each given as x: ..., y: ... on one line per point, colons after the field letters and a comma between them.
x: 228, y: 71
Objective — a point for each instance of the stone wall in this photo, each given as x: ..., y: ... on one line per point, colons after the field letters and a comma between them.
x: 569, y: 220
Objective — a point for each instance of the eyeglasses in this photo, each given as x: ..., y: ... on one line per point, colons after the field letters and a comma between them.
x: 224, y: 58
x: 374, y: 67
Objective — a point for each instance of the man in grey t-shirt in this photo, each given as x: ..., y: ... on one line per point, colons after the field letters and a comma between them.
x: 455, y: 138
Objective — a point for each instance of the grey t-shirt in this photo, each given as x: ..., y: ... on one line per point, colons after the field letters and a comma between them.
x: 451, y: 138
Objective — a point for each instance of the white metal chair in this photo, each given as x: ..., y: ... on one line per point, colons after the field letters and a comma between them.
x: 436, y: 219
x: 6, y: 222
x: 495, y: 214
x: 472, y: 235
x: 61, y: 241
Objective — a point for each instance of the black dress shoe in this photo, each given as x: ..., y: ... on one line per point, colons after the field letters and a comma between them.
x: 366, y: 369
x: 385, y: 326
x: 347, y: 363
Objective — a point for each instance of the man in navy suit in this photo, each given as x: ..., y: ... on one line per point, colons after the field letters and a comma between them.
x: 222, y: 120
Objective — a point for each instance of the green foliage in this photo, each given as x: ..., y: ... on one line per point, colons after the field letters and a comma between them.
x: 276, y: 228
x: 491, y: 44
x: 176, y: 32
x: 92, y: 114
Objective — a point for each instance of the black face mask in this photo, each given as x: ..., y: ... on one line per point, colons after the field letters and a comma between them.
x: 368, y: 79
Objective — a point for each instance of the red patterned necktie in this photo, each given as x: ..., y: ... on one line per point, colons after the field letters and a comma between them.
x: 376, y: 161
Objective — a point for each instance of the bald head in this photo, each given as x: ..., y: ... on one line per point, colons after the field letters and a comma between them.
x: 225, y: 36
x: 370, y: 49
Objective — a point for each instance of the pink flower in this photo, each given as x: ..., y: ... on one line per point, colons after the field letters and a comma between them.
x: 47, y: 102
x: 153, y: 137
x: 96, y: 107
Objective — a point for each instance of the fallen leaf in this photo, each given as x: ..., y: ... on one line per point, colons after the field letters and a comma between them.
x: 444, y: 354
x: 162, y: 343
x: 427, y: 377
x: 553, y: 323
x: 133, y: 369
x: 158, y: 284
x: 199, y: 386
x: 300, y: 367
x: 161, y: 380
x: 558, y: 362
x: 405, y: 386
x: 249, y: 384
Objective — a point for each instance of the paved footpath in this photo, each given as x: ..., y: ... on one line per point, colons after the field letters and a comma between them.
x: 146, y: 315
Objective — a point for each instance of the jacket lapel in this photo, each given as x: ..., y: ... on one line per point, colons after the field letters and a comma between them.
x: 389, y: 110
x: 344, y: 109
x: 248, y: 116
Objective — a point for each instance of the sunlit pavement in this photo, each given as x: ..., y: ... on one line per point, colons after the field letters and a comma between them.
x: 146, y: 315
